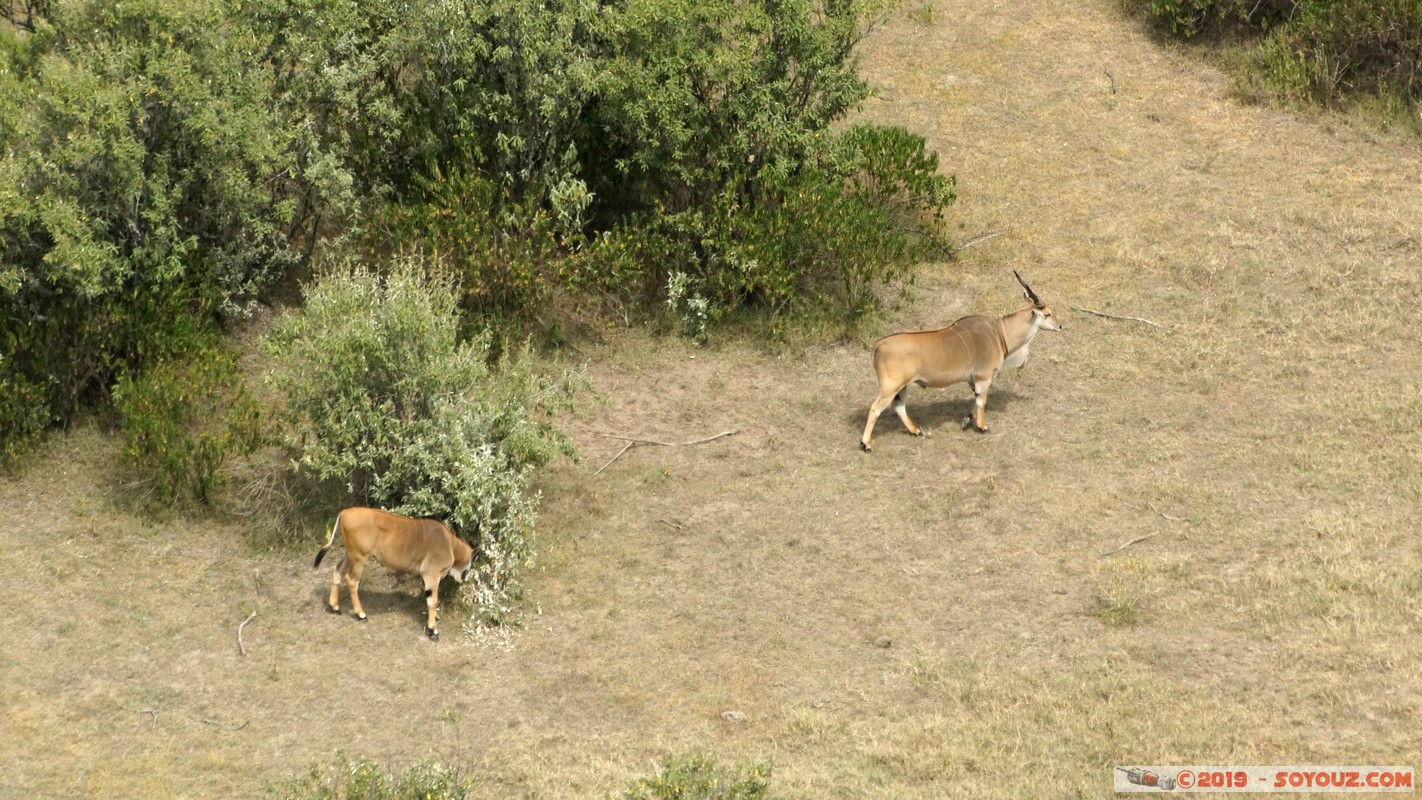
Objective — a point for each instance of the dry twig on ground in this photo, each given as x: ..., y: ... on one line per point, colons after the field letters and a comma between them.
x: 633, y: 442
x: 241, y: 647
x: 982, y: 237
x: 1162, y: 514
x: 1136, y: 540
x: 1114, y: 316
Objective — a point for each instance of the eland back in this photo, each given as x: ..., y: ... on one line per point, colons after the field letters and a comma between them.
x: 972, y: 350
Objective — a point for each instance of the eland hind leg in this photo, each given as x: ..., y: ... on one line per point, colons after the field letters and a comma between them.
x: 355, y: 568
x: 334, y: 605
x: 887, y: 395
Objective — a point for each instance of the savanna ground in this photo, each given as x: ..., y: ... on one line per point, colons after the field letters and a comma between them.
x: 1263, y: 435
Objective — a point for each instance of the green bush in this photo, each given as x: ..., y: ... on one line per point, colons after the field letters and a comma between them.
x: 819, y: 242
x: 365, y: 780
x: 1331, y: 51
x: 165, y: 162
x: 1325, y: 51
x: 857, y: 219
x: 143, y: 150
x: 702, y: 97
x: 183, y: 419
x: 143, y: 184
x: 508, y: 85
x: 718, y: 156
x: 506, y: 255
x: 381, y: 105
x: 1187, y: 18
x: 386, y: 398
x: 695, y: 777
x: 683, y: 133
x: 335, y: 69
x: 24, y: 411
x: 700, y: 777
x: 62, y: 349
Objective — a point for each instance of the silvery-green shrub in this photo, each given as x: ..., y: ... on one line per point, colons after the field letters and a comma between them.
x: 388, y: 400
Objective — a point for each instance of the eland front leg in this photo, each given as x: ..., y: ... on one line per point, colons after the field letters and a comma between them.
x: 432, y: 604
x: 978, y: 417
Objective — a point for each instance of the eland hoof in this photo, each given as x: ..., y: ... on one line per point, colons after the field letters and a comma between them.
x: 432, y: 633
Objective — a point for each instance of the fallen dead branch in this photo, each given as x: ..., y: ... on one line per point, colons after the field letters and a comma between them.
x: 241, y: 647
x: 1136, y: 540
x: 1165, y: 515
x: 633, y: 442
x: 214, y: 723
x: 1114, y: 316
x: 627, y: 447
x: 982, y: 237
x: 636, y: 441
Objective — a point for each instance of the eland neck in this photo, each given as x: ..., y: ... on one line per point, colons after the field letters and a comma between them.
x: 1019, y: 327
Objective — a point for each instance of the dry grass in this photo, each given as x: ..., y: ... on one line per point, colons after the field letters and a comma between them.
x: 1266, y: 433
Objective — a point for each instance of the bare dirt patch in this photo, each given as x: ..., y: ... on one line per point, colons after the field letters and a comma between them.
x: 923, y: 621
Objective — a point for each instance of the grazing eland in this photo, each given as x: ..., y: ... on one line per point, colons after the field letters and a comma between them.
x: 972, y: 350
x: 425, y: 547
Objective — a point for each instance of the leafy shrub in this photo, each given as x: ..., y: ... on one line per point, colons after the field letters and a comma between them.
x: 1330, y: 51
x: 680, y: 131
x: 24, y: 411
x: 466, y: 150
x: 506, y: 255
x: 693, y: 777
x: 1187, y: 18
x: 183, y: 418
x: 384, y: 108
x: 631, y: 264
x: 1325, y: 51
x: 508, y: 83
x: 702, y: 97
x: 700, y: 777
x: 386, y: 398
x: 365, y: 780
x: 61, y: 349
x: 817, y: 244
x: 167, y: 161
x: 719, y: 154
x: 870, y: 207
x: 142, y: 183
x: 335, y: 68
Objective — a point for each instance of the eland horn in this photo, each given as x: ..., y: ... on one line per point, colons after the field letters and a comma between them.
x: 1031, y: 295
